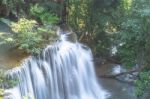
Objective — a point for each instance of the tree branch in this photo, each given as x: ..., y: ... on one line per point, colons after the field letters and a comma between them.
x: 122, y: 73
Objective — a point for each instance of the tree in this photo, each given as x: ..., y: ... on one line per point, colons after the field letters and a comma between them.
x: 91, y: 20
x: 135, y: 35
x: 134, y: 40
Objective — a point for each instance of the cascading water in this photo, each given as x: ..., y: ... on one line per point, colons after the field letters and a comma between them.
x: 64, y: 70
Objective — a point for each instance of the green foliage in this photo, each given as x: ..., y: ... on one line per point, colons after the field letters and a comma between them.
x: 122, y: 23
x: 127, y: 56
x: 92, y: 20
x: 13, y: 6
x: 30, y: 37
x: 1, y: 93
x: 45, y: 16
x: 36, y: 10
x: 135, y: 34
x: 134, y: 39
x: 26, y: 36
x: 5, y: 38
x: 6, y: 81
x: 143, y: 84
x: 127, y: 4
x: 10, y: 3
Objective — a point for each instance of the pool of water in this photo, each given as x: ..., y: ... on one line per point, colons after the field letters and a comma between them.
x: 116, y: 89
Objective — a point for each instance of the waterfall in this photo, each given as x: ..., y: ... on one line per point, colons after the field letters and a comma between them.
x: 63, y: 70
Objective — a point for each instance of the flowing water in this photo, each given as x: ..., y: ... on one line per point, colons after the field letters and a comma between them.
x: 64, y: 70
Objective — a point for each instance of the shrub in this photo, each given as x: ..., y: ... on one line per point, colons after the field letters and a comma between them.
x: 45, y: 16
x: 143, y: 84
x: 26, y: 36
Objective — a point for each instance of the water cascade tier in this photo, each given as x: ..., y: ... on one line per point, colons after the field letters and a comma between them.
x: 63, y: 70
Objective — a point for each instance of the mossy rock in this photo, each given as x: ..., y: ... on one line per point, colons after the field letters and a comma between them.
x: 12, y: 59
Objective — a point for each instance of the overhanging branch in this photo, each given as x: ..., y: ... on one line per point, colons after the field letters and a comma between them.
x: 122, y: 73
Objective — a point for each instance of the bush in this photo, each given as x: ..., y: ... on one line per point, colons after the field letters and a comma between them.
x: 26, y: 36
x: 143, y: 84
x: 45, y: 16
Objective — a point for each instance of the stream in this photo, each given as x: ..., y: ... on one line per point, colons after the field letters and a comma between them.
x: 117, y: 89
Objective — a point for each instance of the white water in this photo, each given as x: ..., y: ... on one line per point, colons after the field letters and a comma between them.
x: 63, y: 71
